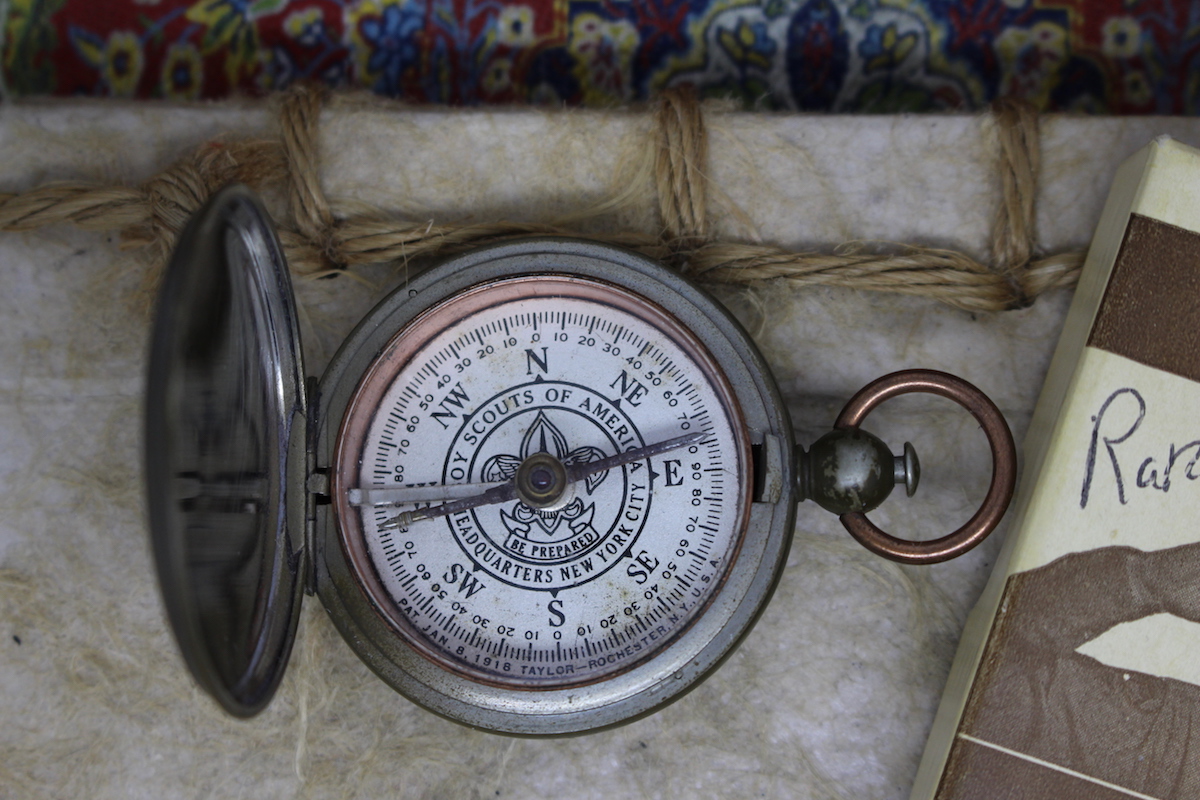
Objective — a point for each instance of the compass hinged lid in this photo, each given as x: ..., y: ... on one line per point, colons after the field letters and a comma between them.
x: 224, y: 403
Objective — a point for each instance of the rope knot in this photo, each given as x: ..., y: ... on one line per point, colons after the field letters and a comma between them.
x: 175, y: 194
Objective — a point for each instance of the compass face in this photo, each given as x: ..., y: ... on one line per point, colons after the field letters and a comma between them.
x: 585, y: 572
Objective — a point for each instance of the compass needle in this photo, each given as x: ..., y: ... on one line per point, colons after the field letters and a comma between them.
x: 506, y: 491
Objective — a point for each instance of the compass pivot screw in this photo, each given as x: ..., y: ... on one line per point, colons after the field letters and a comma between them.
x: 541, y: 481
x: 541, y: 478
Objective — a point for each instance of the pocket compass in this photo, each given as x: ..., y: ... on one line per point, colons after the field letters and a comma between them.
x: 544, y: 487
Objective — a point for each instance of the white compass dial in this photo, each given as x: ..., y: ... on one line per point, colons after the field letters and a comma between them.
x: 475, y: 510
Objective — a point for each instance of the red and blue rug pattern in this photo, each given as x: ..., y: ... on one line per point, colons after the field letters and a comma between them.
x: 872, y: 56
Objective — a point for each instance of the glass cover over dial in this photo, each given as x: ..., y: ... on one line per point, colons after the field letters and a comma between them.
x: 542, y: 481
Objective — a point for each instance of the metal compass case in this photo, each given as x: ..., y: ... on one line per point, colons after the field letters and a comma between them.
x: 545, y: 487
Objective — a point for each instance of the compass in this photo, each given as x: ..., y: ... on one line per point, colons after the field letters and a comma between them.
x: 544, y: 487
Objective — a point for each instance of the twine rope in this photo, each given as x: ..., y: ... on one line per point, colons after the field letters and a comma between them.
x: 316, y: 242
x: 681, y: 152
x: 1014, y: 240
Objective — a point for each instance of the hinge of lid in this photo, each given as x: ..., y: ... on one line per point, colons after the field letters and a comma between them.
x: 316, y: 486
x: 318, y: 483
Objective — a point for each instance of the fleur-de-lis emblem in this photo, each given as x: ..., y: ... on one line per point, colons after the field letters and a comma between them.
x: 544, y: 437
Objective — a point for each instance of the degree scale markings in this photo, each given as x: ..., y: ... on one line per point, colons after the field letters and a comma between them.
x: 508, y: 625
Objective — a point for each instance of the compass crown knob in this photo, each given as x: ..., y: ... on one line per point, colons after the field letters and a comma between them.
x: 850, y: 470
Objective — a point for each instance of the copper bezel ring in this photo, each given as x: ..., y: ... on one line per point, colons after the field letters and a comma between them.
x: 1004, y: 465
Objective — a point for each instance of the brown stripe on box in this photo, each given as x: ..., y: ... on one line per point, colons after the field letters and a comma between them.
x: 1151, y: 310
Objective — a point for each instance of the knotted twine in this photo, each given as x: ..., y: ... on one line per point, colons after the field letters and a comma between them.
x: 316, y: 242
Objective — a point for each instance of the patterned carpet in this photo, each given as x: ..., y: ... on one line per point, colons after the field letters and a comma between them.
x: 873, y: 56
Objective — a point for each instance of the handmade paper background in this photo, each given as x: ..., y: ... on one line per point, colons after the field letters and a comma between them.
x: 1106, y: 56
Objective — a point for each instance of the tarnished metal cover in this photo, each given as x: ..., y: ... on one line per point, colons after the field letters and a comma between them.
x: 224, y: 406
